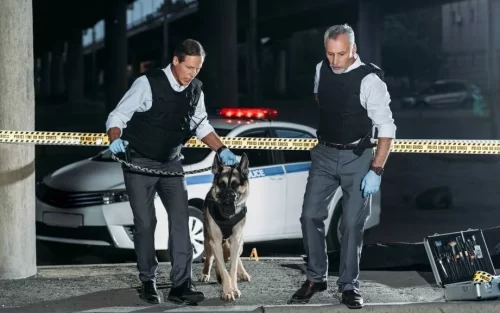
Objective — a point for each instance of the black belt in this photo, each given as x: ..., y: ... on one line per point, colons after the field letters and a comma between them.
x: 348, y: 146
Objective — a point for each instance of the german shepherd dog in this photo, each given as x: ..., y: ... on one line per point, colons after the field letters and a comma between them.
x: 224, y: 213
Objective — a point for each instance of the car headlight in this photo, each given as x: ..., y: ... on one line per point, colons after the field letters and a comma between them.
x: 114, y: 197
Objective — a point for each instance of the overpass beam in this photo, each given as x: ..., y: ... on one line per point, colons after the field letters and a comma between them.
x: 369, y: 32
x: 17, y: 161
x: 115, y: 45
x: 220, y: 71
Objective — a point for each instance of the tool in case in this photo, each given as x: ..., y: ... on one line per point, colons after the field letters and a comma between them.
x: 457, y: 260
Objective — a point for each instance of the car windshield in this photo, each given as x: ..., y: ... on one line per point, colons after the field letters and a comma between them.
x: 191, y: 155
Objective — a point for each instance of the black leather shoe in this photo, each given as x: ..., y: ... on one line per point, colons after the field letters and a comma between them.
x: 352, y: 299
x: 308, y: 289
x: 185, y: 293
x: 149, y: 293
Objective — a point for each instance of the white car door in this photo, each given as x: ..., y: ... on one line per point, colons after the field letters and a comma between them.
x: 267, y: 198
x: 297, y: 165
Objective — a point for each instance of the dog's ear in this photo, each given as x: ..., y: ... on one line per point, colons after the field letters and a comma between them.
x: 216, y: 166
x: 243, y: 166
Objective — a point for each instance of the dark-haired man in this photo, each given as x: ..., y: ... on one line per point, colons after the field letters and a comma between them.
x: 162, y: 109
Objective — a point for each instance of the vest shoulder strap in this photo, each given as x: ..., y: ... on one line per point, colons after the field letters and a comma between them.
x: 372, y: 68
x: 195, y: 90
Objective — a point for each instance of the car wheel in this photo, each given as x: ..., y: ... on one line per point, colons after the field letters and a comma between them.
x: 334, y: 237
x: 196, y: 234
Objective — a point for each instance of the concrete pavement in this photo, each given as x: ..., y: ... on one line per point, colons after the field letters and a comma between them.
x: 114, y: 288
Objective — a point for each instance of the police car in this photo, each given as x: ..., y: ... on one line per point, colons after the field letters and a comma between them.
x: 86, y: 202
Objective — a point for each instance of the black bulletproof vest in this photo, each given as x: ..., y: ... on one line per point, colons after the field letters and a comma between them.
x: 160, y: 132
x: 342, y: 118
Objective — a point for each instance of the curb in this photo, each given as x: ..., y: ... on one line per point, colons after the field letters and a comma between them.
x: 431, y: 307
x: 404, y: 307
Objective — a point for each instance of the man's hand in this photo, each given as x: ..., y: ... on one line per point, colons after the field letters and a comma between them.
x: 214, y: 142
x: 370, y: 183
x: 117, y: 144
x: 227, y: 157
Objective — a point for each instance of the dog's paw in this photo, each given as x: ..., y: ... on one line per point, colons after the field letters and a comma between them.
x: 236, y: 293
x: 244, y: 277
x: 203, y: 277
x: 227, y: 293
x: 227, y: 296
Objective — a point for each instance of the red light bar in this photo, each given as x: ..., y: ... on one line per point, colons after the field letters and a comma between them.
x: 256, y: 113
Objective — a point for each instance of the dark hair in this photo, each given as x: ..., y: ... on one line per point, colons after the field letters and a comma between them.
x: 189, y: 47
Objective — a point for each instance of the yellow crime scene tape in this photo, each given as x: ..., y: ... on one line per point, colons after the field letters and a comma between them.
x: 481, y: 277
x: 399, y: 145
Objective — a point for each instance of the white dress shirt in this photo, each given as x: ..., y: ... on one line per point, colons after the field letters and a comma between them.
x: 374, y: 98
x: 139, y: 99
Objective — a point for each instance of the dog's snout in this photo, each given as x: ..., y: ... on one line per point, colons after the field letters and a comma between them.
x: 228, y: 196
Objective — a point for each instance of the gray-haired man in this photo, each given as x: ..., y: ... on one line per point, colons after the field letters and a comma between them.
x: 353, y: 101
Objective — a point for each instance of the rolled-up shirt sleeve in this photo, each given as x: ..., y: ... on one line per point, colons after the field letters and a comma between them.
x: 200, y: 117
x: 376, y: 99
x: 137, y: 99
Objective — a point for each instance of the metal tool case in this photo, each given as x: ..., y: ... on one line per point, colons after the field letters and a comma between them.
x: 454, y: 258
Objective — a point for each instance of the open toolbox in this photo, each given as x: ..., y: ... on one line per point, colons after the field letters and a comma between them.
x: 462, y: 265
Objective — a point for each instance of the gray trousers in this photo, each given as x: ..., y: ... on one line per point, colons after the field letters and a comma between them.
x: 331, y: 168
x: 141, y: 189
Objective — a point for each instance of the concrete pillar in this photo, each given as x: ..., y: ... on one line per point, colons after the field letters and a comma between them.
x: 369, y: 32
x: 17, y: 161
x: 75, y: 67
x: 281, y: 72
x: 492, y: 66
x: 280, y: 57
x: 94, y: 72
x: 45, y: 75
x: 57, y: 69
x: 36, y: 79
x: 220, y: 71
x: 115, y: 45
x: 165, y: 53
x: 252, y: 53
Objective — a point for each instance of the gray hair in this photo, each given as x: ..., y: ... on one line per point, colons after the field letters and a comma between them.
x: 334, y: 31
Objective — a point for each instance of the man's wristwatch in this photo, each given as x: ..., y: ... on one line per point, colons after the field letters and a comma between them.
x: 377, y: 169
x: 220, y: 149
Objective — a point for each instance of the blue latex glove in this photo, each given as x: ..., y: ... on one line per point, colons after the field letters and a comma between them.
x: 227, y: 157
x: 118, y: 145
x: 370, y: 183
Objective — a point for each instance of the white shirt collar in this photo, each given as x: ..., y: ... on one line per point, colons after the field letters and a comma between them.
x: 357, y: 63
x: 173, y: 82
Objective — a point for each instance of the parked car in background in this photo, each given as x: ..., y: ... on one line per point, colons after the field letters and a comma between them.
x: 446, y: 94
